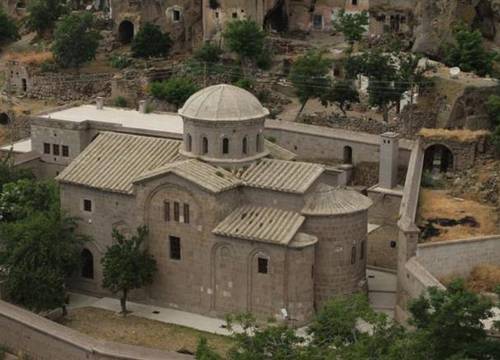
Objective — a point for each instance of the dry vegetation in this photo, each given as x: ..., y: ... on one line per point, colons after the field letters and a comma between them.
x: 30, y: 58
x: 439, y: 204
x: 462, y: 135
x: 133, y: 330
x: 483, y: 278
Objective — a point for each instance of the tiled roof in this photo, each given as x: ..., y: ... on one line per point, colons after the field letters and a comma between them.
x: 327, y: 200
x: 278, y: 152
x: 113, y: 160
x: 261, y: 224
x: 280, y: 175
x: 209, y: 177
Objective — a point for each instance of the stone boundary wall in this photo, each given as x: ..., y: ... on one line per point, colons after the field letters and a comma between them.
x: 42, y: 339
x: 315, y: 143
x: 459, y: 257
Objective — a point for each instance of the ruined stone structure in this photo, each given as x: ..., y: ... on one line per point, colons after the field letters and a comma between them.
x: 234, y: 225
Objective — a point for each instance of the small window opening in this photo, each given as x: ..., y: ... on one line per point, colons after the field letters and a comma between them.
x: 205, y: 145
x: 176, y: 211
x: 175, y: 248
x: 176, y: 16
x: 87, y: 205
x: 65, y: 151
x: 186, y: 213
x: 225, y: 146
x: 353, y: 255
x: 245, y: 145
x: 166, y: 211
x: 46, y: 148
x: 55, y: 149
x: 263, y: 265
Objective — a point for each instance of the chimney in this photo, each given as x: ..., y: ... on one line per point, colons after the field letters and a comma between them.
x: 99, y: 103
x: 389, y: 156
x: 142, y: 106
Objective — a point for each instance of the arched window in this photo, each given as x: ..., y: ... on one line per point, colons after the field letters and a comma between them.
x: 244, y: 145
x: 189, y: 142
x: 87, y: 264
x: 347, y: 155
x: 204, y: 145
x: 258, y: 143
x: 225, y: 146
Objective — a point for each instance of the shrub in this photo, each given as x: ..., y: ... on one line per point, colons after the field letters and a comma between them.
x: 75, y: 42
x: 245, y: 83
x: 120, y: 101
x: 151, y: 42
x: 8, y: 28
x: 120, y: 61
x: 245, y: 37
x: 48, y: 66
x: 43, y: 14
x: 209, y: 53
x: 174, y: 91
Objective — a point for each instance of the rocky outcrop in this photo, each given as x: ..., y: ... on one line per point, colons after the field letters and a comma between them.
x: 437, y: 18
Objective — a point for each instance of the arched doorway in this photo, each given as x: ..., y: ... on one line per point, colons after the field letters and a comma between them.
x: 347, y: 159
x: 126, y: 32
x: 87, y: 264
x: 4, y: 119
x: 438, y: 158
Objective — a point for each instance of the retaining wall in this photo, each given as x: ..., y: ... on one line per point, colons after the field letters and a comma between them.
x: 459, y: 257
x: 42, y: 339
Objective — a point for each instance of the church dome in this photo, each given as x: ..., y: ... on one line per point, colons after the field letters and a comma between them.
x: 223, y: 103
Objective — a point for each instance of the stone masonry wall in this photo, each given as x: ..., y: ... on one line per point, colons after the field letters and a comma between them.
x: 43, y: 339
x: 459, y: 257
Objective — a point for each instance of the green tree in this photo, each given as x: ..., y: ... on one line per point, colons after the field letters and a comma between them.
x: 24, y: 197
x: 309, y: 76
x: 493, y: 107
x: 8, y: 27
x: 352, y: 26
x: 150, y: 42
x: 342, y: 94
x: 38, y: 253
x: 127, y: 265
x: 385, y: 87
x: 468, y: 53
x: 208, y: 53
x: 9, y: 173
x: 245, y: 38
x: 175, y: 90
x: 75, y: 42
x: 43, y: 14
x: 449, y: 324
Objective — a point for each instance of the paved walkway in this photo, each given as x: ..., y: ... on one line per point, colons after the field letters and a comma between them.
x: 382, y: 287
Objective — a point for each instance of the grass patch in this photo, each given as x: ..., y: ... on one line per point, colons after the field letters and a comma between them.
x: 133, y: 330
x: 31, y: 57
x: 462, y: 135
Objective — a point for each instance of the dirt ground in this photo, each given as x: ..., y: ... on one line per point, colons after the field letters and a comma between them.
x: 107, y: 325
x: 439, y: 204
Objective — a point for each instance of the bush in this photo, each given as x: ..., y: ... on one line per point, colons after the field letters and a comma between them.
x: 174, y: 91
x: 209, y: 53
x: 245, y: 83
x: 43, y: 14
x: 245, y: 37
x: 120, y: 101
x: 49, y: 66
x: 8, y: 28
x: 151, y: 42
x: 495, y: 139
x: 75, y: 42
x: 265, y: 60
x: 120, y: 61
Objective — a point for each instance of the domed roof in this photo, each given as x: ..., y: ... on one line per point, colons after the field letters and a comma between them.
x: 328, y: 200
x: 223, y: 103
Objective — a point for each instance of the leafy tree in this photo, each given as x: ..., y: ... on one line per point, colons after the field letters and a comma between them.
x: 21, y: 199
x: 38, y: 253
x: 245, y: 38
x: 150, y: 42
x: 342, y: 94
x: 208, y: 53
x: 175, y: 90
x: 386, y: 87
x: 74, y: 40
x: 448, y: 323
x: 43, y: 14
x: 8, y: 27
x: 309, y: 75
x: 353, y: 26
x: 9, y: 173
x: 468, y: 52
x: 127, y: 266
x: 493, y: 108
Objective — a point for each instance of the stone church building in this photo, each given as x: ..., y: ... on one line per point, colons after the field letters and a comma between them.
x: 232, y: 226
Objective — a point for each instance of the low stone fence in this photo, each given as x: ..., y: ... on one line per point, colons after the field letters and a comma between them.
x: 42, y: 339
x: 459, y: 257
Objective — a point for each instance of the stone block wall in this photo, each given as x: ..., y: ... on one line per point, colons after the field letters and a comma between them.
x: 459, y: 257
x: 43, y: 339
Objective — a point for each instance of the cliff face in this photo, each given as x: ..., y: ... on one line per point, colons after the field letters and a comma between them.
x: 436, y: 19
